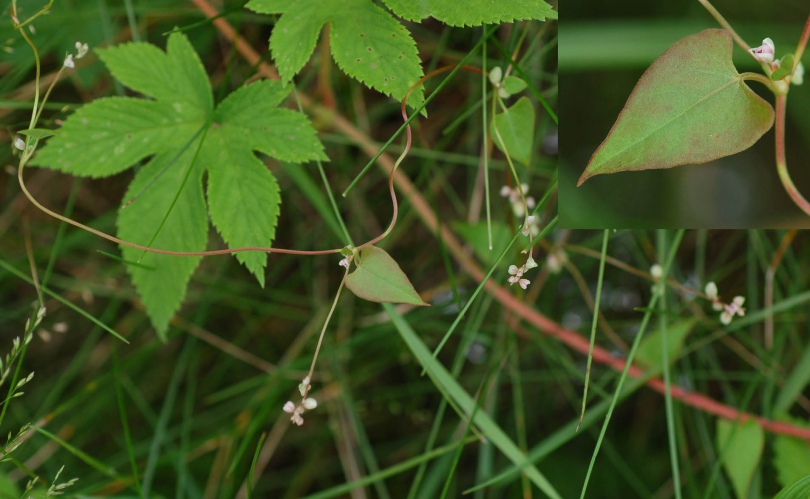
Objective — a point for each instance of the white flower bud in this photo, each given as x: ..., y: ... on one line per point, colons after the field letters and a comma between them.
x: 495, y: 76
x: 656, y: 271
x: 69, y: 61
x: 81, y: 50
x: 711, y: 290
x: 310, y: 404
x: 19, y: 144
x: 289, y: 407
x: 798, y: 74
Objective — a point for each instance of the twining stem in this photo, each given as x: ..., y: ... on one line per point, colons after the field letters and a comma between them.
x: 760, y: 78
x: 797, y: 56
x: 323, y: 332
x: 720, y: 19
x: 408, y: 147
x: 781, y: 162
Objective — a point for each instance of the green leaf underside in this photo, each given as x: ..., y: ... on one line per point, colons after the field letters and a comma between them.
x: 514, y: 84
x: 378, y: 278
x: 477, y: 236
x: 691, y: 106
x: 112, y: 134
x: 38, y: 133
x: 472, y: 12
x: 741, y: 447
x: 791, y: 456
x: 516, y: 128
x: 785, y: 68
x: 649, y: 354
x: 367, y: 43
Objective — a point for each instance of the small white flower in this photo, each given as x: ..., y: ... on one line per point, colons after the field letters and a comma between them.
x: 81, y: 50
x: 289, y: 407
x: 19, y: 144
x: 798, y: 74
x: 69, y: 61
x: 304, y: 386
x: 732, y: 309
x: 527, y: 225
x: 516, y: 273
x: 344, y: 262
x: 764, y: 53
x: 711, y: 290
x: 309, y: 404
x: 524, y: 283
x: 495, y: 76
x: 656, y: 271
x: 530, y: 263
x: 297, y: 419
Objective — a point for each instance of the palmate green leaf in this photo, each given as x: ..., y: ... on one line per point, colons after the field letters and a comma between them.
x: 378, y: 278
x: 516, y: 128
x: 741, y: 447
x: 366, y: 42
x: 691, y: 106
x: 112, y: 134
x: 472, y: 12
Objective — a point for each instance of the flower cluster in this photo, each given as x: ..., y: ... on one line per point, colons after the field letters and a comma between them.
x: 81, y: 51
x: 729, y: 310
x: 496, y: 78
x: 516, y: 200
x: 765, y: 55
x: 516, y: 273
x: 307, y: 403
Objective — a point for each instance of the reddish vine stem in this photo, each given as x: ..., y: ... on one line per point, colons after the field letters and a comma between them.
x: 423, y: 209
x: 781, y: 161
x: 802, y: 42
x: 407, y: 148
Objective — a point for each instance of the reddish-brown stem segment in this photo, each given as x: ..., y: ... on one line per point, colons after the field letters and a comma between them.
x: 797, y: 56
x: 407, y: 148
x: 781, y: 162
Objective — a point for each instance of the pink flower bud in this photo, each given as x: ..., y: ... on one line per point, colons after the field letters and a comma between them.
x: 764, y: 53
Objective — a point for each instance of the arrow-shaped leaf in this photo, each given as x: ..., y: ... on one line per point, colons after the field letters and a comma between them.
x: 516, y: 127
x: 378, y: 278
x: 691, y: 106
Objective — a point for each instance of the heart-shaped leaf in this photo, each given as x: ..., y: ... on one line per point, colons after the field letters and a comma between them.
x: 741, y: 445
x: 691, y: 106
x: 378, y: 278
x: 516, y: 127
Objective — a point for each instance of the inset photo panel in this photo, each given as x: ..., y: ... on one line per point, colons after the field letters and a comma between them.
x: 687, y: 114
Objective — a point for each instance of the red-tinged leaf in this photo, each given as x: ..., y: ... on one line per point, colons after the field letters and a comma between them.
x: 378, y: 278
x: 691, y: 106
